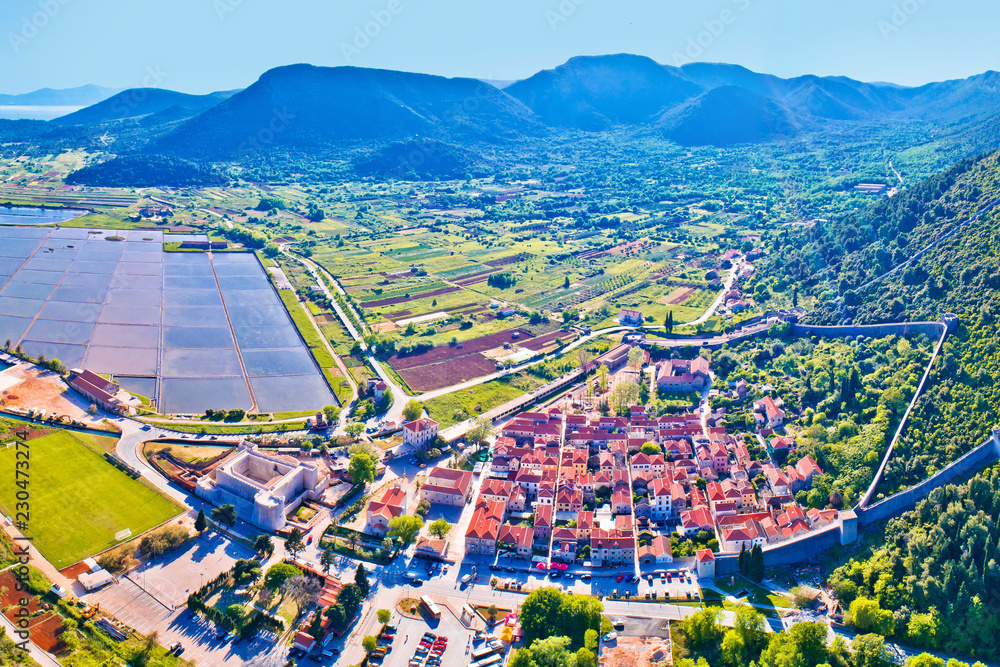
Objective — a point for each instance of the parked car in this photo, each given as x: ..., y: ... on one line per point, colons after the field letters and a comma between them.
x: 610, y: 637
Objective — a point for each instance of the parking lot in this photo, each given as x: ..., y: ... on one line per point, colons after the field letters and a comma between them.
x: 152, y: 598
x: 410, y: 631
x: 669, y: 582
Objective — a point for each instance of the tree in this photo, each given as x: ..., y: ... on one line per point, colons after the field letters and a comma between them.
x: 278, y: 573
x: 803, y: 644
x: 650, y: 448
x: 369, y: 643
x: 384, y: 616
x: 144, y: 656
x: 361, y: 579
x: 870, y: 651
x: 566, y: 283
x: 294, y: 544
x: 602, y: 377
x: 225, y: 514
x: 585, y: 658
x: 405, y: 528
x: 264, y: 545
x: 235, y: 612
x: 201, y: 523
x: 354, y: 429
x: 332, y: 413
x: 412, y: 410
x: 350, y: 597
x: 623, y: 396
x: 636, y: 358
x: 522, y: 657
x: 551, y: 651
x: 492, y: 613
x: 316, y: 626
x: 756, y: 567
x: 540, y: 612
x: 301, y: 590
x: 866, y: 614
x: 923, y: 628
x: 481, y: 431
x: 749, y: 624
x: 361, y: 469
x: 439, y: 528
x: 702, y: 627
x: 583, y: 356
x: 668, y: 322
x: 590, y: 639
x: 327, y: 559
x: 734, y: 651
x: 742, y: 561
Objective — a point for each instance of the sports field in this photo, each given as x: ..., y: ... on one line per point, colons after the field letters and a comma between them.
x: 78, y: 500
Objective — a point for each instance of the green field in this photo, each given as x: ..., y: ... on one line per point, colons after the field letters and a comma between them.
x: 460, y: 405
x: 78, y: 501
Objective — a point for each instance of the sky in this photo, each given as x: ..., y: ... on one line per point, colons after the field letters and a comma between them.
x: 198, y: 46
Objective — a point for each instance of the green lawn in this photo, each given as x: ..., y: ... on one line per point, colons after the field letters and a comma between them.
x: 460, y: 405
x: 78, y: 501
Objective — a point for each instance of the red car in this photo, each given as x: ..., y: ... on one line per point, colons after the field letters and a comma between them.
x: 620, y: 578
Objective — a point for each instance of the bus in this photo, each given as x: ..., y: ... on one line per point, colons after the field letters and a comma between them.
x: 486, y: 662
x: 429, y: 605
x: 480, y: 653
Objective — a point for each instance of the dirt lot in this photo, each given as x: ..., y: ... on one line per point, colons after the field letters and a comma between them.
x: 678, y: 296
x: 447, y: 373
x: 37, y: 388
x: 468, y: 348
x: 636, y: 652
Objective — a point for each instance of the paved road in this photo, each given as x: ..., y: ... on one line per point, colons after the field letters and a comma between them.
x: 399, y: 397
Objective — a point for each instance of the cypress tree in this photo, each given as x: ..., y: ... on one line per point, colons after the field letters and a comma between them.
x: 757, y: 564
x: 201, y: 523
x: 743, y: 559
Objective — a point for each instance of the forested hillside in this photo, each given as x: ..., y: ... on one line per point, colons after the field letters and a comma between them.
x: 936, y: 582
x: 961, y: 274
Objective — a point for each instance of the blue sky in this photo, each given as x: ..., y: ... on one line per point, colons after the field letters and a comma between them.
x: 203, y: 45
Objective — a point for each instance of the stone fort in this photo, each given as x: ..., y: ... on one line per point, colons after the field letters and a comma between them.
x: 263, y: 487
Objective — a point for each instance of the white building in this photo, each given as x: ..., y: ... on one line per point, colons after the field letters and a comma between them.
x: 420, y: 433
x: 264, y: 488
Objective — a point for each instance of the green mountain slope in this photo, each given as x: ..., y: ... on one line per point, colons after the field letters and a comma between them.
x: 832, y: 263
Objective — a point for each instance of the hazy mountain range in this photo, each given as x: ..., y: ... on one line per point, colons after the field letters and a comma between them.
x: 68, y: 97
x: 373, y: 116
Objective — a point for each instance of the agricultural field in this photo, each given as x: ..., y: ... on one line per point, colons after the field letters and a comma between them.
x: 78, y: 499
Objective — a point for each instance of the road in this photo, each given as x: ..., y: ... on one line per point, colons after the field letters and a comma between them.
x: 399, y: 397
